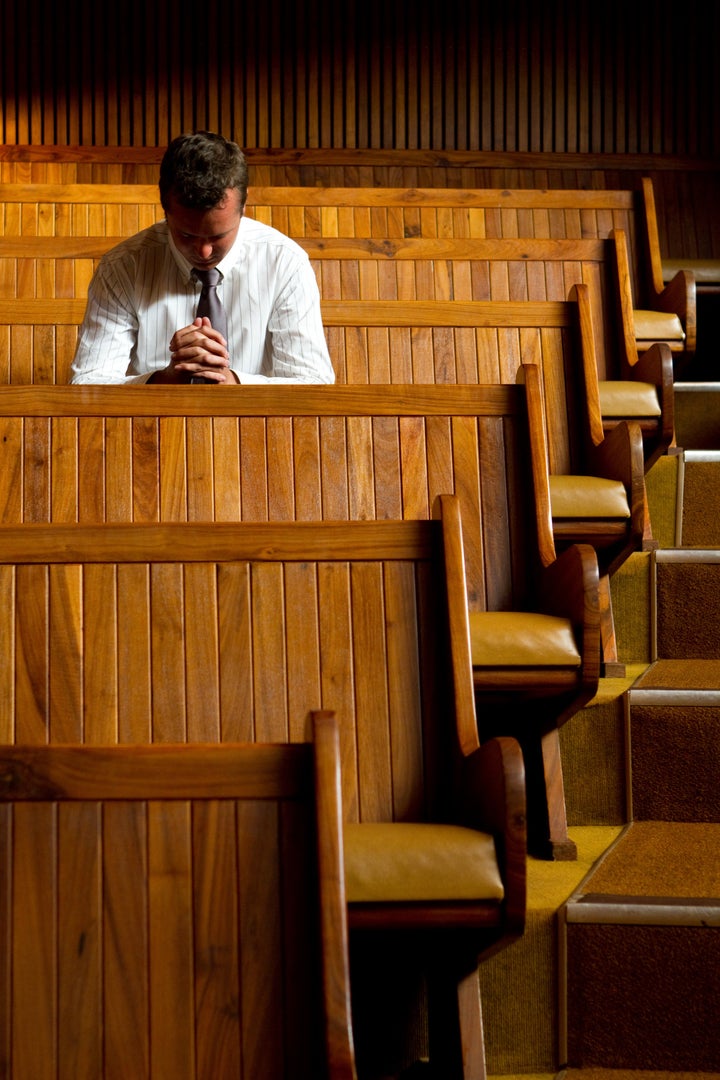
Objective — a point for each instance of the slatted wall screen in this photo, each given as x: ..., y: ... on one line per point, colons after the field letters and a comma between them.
x: 519, y: 76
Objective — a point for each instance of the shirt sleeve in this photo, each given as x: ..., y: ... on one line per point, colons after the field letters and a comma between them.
x: 108, y: 334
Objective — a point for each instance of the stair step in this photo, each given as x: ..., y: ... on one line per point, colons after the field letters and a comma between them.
x: 699, y: 498
x: 697, y: 415
x: 686, y: 622
x: 674, y: 740
x: 625, y: 1074
x: 641, y: 945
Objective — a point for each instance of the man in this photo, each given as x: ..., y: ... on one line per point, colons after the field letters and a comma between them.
x: 140, y: 323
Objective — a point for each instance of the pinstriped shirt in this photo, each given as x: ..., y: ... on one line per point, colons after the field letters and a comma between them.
x: 143, y: 291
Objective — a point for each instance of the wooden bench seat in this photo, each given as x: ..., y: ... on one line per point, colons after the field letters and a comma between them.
x: 141, y: 944
x: 341, y: 452
x: 239, y: 631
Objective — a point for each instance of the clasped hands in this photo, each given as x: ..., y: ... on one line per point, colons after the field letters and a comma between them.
x: 197, y: 349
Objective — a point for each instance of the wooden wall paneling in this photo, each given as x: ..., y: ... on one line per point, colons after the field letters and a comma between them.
x: 309, y: 77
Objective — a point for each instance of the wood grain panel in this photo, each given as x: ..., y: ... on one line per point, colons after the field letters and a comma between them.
x: 338, y: 453
x: 285, y: 637
x: 193, y: 918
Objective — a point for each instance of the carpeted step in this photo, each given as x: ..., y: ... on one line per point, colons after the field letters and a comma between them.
x: 674, y: 740
x: 641, y: 946
x: 699, y: 495
x: 686, y: 624
x: 697, y: 415
x: 518, y: 985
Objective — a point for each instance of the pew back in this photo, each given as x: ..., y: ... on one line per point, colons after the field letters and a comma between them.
x: 34, y: 210
x: 363, y: 269
x: 145, y: 454
x: 140, y: 943
x: 359, y: 212
x: 172, y: 633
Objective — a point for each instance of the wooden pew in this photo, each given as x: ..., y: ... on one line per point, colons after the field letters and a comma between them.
x: 414, y: 342
x: 455, y: 342
x: 488, y: 342
x: 632, y: 386
x: 384, y: 213
x: 34, y: 210
x: 343, y: 452
x: 668, y: 276
x: 559, y: 214
x: 38, y: 339
x: 249, y: 623
x: 140, y: 942
x: 596, y: 480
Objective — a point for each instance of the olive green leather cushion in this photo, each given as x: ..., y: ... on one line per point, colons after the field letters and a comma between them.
x: 587, y: 497
x: 625, y: 397
x: 657, y: 326
x: 406, y: 861
x: 521, y: 639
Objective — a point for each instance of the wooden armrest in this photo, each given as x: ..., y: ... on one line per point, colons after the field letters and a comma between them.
x: 447, y: 509
x: 528, y: 375
x: 624, y: 301
x: 569, y: 587
x: 620, y: 456
x: 679, y: 297
x: 493, y: 800
x: 656, y: 366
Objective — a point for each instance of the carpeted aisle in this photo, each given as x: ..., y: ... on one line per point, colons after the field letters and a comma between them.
x: 642, y: 933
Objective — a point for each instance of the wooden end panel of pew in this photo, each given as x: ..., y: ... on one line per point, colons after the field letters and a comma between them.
x: 140, y: 940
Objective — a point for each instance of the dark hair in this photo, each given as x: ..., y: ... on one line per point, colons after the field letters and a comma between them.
x: 198, y: 168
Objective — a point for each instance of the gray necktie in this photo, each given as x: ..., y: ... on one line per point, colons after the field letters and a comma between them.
x: 210, y: 305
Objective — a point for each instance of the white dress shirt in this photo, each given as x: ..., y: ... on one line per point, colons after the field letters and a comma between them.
x: 143, y: 291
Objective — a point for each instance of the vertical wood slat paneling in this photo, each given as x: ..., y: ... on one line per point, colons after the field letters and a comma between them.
x: 63, y: 699
x: 32, y: 1026
x: 524, y: 78
x: 139, y: 942
x: 337, y: 462
x: 360, y: 657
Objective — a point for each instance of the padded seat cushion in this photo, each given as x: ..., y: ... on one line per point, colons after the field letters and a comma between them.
x: 625, y: 397
x: 521, y: 639
x: 406, y: 861
x: 706, y: 271
x: 657, y: 326
x: 587, y: 497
